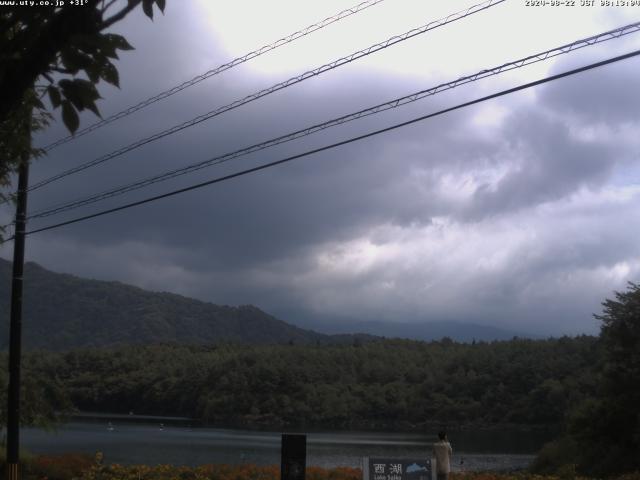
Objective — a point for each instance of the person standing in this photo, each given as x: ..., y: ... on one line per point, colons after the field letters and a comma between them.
x: 442, y: 452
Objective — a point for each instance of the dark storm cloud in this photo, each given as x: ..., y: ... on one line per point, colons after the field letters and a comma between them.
x: 604, y: 95
x: 545, y: 163
x: 330, y: 195
x: 393, y: 227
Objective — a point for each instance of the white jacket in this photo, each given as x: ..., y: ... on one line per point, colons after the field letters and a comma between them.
x: 442, y: 452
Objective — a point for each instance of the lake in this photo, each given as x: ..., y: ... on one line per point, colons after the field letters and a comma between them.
x: 170, y: 441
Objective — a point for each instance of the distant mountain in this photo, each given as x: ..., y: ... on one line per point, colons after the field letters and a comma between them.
x: 64, y: 311
x: 415, y: 330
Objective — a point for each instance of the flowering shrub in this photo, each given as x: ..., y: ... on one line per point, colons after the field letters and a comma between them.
x: 57, y: 467
x: 562, y: 475
x: 338, y: 473
x: 211, y: 472
x: 86, y: 467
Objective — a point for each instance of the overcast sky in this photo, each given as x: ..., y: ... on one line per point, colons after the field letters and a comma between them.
x: 520, y: 212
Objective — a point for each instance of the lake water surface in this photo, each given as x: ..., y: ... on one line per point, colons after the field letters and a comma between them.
x: 161, y: 441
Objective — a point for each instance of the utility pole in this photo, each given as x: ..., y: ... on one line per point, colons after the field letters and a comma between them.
x: 15, y: 329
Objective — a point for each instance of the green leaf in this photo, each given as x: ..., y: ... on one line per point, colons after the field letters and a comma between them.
x: 81, y: 93
x: 70, y: 92
x: 70, y: 116
x: 86, y: 89
x: 93, y: 72
x: 108, y: 50
x: 147, y: 7
x: 117, y: 41
x: 161, y: 4
x: 92, y: 106
x: 88, y: 94
x: 75, y: 60
x: 54, y: 95
x: 87, y: 43
x: 110, y: 75
x: 68, y: 61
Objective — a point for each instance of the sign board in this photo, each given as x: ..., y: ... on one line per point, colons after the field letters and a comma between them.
x: 293, y: 457
x: 377, y: 468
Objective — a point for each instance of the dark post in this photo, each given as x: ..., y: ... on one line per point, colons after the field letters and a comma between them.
x: 15, y: 329
x: 293, y: 457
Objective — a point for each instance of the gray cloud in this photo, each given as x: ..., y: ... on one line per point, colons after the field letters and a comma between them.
x: 603, y: 95
x: 543, y: 163
x: 514, y: 220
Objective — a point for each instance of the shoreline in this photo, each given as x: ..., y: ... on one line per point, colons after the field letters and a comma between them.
x: 153, y: 442
x: 262, y: 425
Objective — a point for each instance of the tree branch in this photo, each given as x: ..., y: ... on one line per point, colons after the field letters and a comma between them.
x: 120, y: 15
x: 62, y: 70
x: 108, y: 6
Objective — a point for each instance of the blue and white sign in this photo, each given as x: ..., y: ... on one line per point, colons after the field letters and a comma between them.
x: 376, y: 468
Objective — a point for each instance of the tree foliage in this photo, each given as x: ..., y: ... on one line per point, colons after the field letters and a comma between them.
x: 607, y: 427
x: 15, y: 139
x: 397, y: 384
x: 45, y: 401
x: 67, y: 49
x: 61, y: 53
x: 603, y: 431
x: 62, y: 312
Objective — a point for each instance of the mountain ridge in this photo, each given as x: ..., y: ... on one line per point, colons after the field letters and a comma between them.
x: 415, y: 330
x: 73, y: 312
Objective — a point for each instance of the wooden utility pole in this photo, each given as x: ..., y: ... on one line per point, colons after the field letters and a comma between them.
x: 15, y: 329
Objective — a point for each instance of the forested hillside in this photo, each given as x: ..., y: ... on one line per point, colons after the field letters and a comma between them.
x: 64, y: 311
x: 386, y: 384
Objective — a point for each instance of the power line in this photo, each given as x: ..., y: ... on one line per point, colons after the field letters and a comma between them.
x: 221, y: 68
x: 279, y: 86
x: 344, y: 142
x: 595, y: 39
